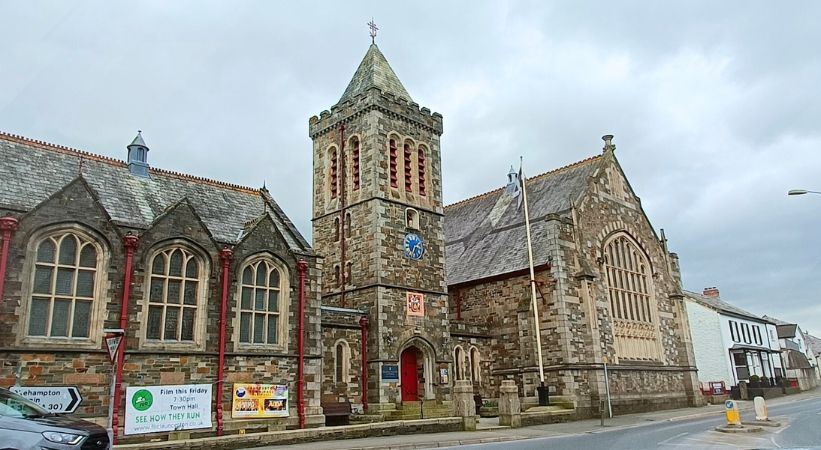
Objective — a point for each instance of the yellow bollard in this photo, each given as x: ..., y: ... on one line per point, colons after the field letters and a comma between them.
x: 732, y: 412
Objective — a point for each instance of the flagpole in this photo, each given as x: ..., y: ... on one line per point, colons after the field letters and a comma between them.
x: 533, y: 283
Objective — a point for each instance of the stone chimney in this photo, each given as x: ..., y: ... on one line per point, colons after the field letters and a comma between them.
x: 711, y: 292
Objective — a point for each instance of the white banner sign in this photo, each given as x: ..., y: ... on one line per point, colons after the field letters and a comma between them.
x: 153, y: 409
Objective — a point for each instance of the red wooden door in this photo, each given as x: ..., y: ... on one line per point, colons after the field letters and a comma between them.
x: 410, y: 383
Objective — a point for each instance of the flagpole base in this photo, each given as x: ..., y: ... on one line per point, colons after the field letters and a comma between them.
x: 544, y: 398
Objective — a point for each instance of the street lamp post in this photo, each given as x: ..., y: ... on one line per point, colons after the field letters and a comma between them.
x: 801, y: 192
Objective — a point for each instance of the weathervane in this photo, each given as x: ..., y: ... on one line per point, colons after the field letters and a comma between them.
x: 374, y: 29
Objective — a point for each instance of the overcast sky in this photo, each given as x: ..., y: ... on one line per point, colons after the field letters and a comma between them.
x: 715, y: 105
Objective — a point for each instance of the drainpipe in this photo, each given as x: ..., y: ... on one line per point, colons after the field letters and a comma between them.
x: 342, y: 202
x: 363, y: 325
x: 302, y: 267
x: 225, y: 254
x: 130, y: 244
x: 7, y: 225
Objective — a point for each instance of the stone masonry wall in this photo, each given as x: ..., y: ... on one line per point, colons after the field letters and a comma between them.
x: 88, y: 368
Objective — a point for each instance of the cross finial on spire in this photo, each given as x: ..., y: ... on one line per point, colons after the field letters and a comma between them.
x: 374, y: 29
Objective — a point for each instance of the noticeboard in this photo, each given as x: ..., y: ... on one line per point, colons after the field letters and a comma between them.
x: 390, y: 373
x: 253, y: 401
x: 153, y: 409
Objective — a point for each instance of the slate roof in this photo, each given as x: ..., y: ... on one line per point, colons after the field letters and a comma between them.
x: 813, y: 342
x: 374, y: 71
x: 797, y: 360
x: 720, y: 305
x: 776, y: 321
x: 33, y: 170
x: 485, y: 235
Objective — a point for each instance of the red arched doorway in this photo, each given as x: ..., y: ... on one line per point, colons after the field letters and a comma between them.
x: 409, y: 366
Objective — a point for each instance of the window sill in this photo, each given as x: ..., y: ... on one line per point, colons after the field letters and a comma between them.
x: 259, y: 348
x: 163, y: 345
x: 78, y: 343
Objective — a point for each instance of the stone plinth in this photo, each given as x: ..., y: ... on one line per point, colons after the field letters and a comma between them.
x: 510, y: 408
x: 463, y: 404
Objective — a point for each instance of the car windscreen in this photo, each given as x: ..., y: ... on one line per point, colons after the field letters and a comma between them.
x: 13, y: 405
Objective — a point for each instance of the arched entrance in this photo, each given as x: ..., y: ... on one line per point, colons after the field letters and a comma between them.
x: 416, y: 372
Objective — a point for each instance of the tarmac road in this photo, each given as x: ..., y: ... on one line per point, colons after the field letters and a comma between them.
x: 801, y: 428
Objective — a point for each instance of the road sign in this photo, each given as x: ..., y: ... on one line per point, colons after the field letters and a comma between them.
x: 56, y: 399
x: 112, y: 344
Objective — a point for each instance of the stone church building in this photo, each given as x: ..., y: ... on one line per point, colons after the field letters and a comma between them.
x: 398, y: 298
x: 446, y: 289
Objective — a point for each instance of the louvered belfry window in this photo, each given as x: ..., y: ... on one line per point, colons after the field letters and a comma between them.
x: 355, y: 157
x: 394, y: 175
x: 334, y: 173
x: 175, y: 282
x: 408, y: 171
x: 627, y: 280
x: 422, y: 170
x: 63, y: 287
x: 260, y: 296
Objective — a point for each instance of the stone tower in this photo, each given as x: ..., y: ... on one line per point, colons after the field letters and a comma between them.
x: 378, y: 222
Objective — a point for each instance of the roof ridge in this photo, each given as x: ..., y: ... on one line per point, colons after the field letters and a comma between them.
x: 118, y: 162
x: 534, y: 177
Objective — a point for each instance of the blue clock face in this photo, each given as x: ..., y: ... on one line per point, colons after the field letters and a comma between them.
x: 414, y: 247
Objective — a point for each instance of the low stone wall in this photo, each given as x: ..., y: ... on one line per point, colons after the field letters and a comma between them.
x: 306, y: 435
x: 543, y: 418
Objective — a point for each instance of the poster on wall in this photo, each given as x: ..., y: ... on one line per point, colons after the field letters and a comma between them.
x: 154, y: 409
x: 259, y: 401
x: 416, y: 304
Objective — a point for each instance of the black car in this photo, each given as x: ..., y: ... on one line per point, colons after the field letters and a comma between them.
x: 26, y: 426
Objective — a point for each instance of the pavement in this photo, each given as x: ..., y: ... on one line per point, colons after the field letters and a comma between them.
x: 664, y: 428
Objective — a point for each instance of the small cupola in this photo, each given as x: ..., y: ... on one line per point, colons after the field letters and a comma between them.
x: 138, y: 156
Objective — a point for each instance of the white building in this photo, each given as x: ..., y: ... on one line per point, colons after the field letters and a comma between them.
x: 730, y: 344
x: 797, y: 355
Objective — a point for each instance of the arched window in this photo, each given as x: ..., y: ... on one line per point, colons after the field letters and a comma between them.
x: 422, y: 170
x: 355, y: 158
x: 629, y: 284
x: 65, y: 286
x: 334, y: 175
x: 627, y: 278
x: 262, y: 298
x: 348, y: 225
x: 475, y: 361
x: 336, y: 229
x: 394, y: 172
x: 459, y: 361
x: 408, y: 171
x: 342, y: 361
x: 337, y: 277
x: 348, y: 269
x: 176, y: 284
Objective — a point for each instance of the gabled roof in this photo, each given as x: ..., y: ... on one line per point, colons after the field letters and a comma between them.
x: 32, y: 170
x: 719, y: 305
x: 485, y: 235
x: 813, y: 342
x: 374, y: 71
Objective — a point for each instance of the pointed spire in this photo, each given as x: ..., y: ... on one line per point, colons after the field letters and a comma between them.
x: 138, y: 140
x: 374, y: 71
